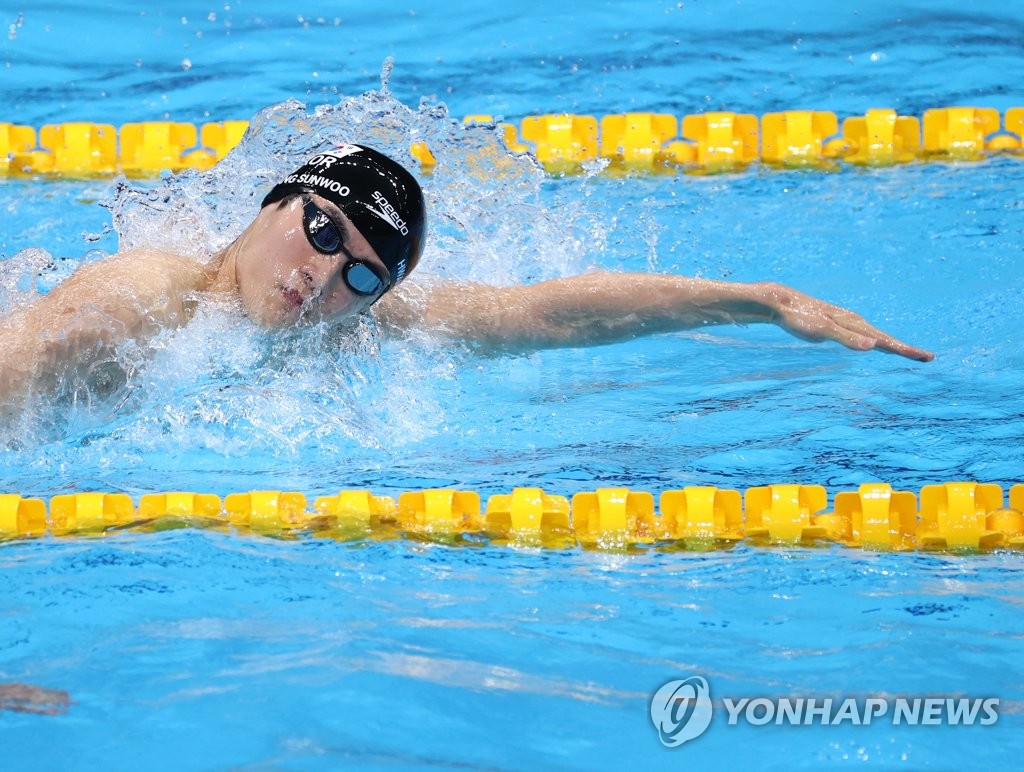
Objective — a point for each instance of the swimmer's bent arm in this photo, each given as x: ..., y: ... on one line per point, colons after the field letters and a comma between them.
x: 603, y: 307
x: 128, y: 296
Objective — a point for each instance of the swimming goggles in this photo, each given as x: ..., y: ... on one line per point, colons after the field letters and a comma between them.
x: 326, y: 237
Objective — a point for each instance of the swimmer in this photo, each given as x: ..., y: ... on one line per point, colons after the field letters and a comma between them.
x: 336, y: 239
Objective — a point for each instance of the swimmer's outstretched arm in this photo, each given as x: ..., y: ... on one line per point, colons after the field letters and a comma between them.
x: 603, y: 307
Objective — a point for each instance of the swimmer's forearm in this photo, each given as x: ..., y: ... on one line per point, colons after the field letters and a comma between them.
x: 18, y: 357
x: 600, y: 308
x: 33, y: 354
x: 18, y: 367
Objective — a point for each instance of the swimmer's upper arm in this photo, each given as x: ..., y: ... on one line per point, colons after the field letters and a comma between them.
x: 493, y: 317
x: 125, y: 296
x: 594, y: 308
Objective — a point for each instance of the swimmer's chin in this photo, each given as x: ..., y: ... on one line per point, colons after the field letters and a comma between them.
x: 295, y: 320
x: 281, y: 316
x: 289, y: 315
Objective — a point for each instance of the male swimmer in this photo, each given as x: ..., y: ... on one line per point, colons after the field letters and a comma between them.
x: 338, y: 237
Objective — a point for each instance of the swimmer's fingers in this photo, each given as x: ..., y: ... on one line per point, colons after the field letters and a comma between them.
x: 890, y: 345
x: 867, y: 337
x: 870, y: 338
x: 815, y: 320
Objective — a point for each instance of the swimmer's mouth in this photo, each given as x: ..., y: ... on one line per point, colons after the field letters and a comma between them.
x: 292, y: 297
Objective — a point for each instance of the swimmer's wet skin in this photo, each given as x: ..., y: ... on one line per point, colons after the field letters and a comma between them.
x: 602, y: 307
x: 339, y: 236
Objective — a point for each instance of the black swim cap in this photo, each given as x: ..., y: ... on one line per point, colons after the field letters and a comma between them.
x: 381, y: 198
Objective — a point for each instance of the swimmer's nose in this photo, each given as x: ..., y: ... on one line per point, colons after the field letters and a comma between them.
x: 316, y: 276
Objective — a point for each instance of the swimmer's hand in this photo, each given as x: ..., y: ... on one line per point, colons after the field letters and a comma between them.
x: 815, y: 320
x: 604, y: 307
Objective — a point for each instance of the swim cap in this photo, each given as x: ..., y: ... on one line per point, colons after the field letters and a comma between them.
x: 381, y: 198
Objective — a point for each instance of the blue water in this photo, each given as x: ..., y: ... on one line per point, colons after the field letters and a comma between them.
x: 203, y: 650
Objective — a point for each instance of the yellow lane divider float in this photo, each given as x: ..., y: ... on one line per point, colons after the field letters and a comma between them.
x: 565, y: 143
x: 954, y: 516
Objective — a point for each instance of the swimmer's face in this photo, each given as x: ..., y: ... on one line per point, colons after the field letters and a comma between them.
x: 284, y: 278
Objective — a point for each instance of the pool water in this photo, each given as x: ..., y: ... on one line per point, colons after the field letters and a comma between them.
x: 201, y: 649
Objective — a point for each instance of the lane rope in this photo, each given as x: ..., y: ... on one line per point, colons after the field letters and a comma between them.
x: 953, y: 516
x: 957, y: 515
x: 712, y: 142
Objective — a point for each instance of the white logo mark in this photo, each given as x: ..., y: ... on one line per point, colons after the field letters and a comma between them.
x: 681, y: 711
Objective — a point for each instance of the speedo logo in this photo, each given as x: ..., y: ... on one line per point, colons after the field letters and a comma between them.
x: 388, y: 213
x: 317, y: 181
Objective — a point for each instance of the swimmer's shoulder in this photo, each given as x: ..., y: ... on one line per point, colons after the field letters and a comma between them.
x: 182, y: 267
x: 415, y: 304
x: 145, y: 269
x: 400, y: 309
x: 150, y: 283
x: 433, y: 304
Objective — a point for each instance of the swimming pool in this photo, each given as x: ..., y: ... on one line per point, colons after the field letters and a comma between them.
x: 202, y: 649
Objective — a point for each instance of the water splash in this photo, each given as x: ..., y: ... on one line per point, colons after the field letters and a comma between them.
x: 486, y: 219
x: 225, y: 386
x: 19, y: 277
